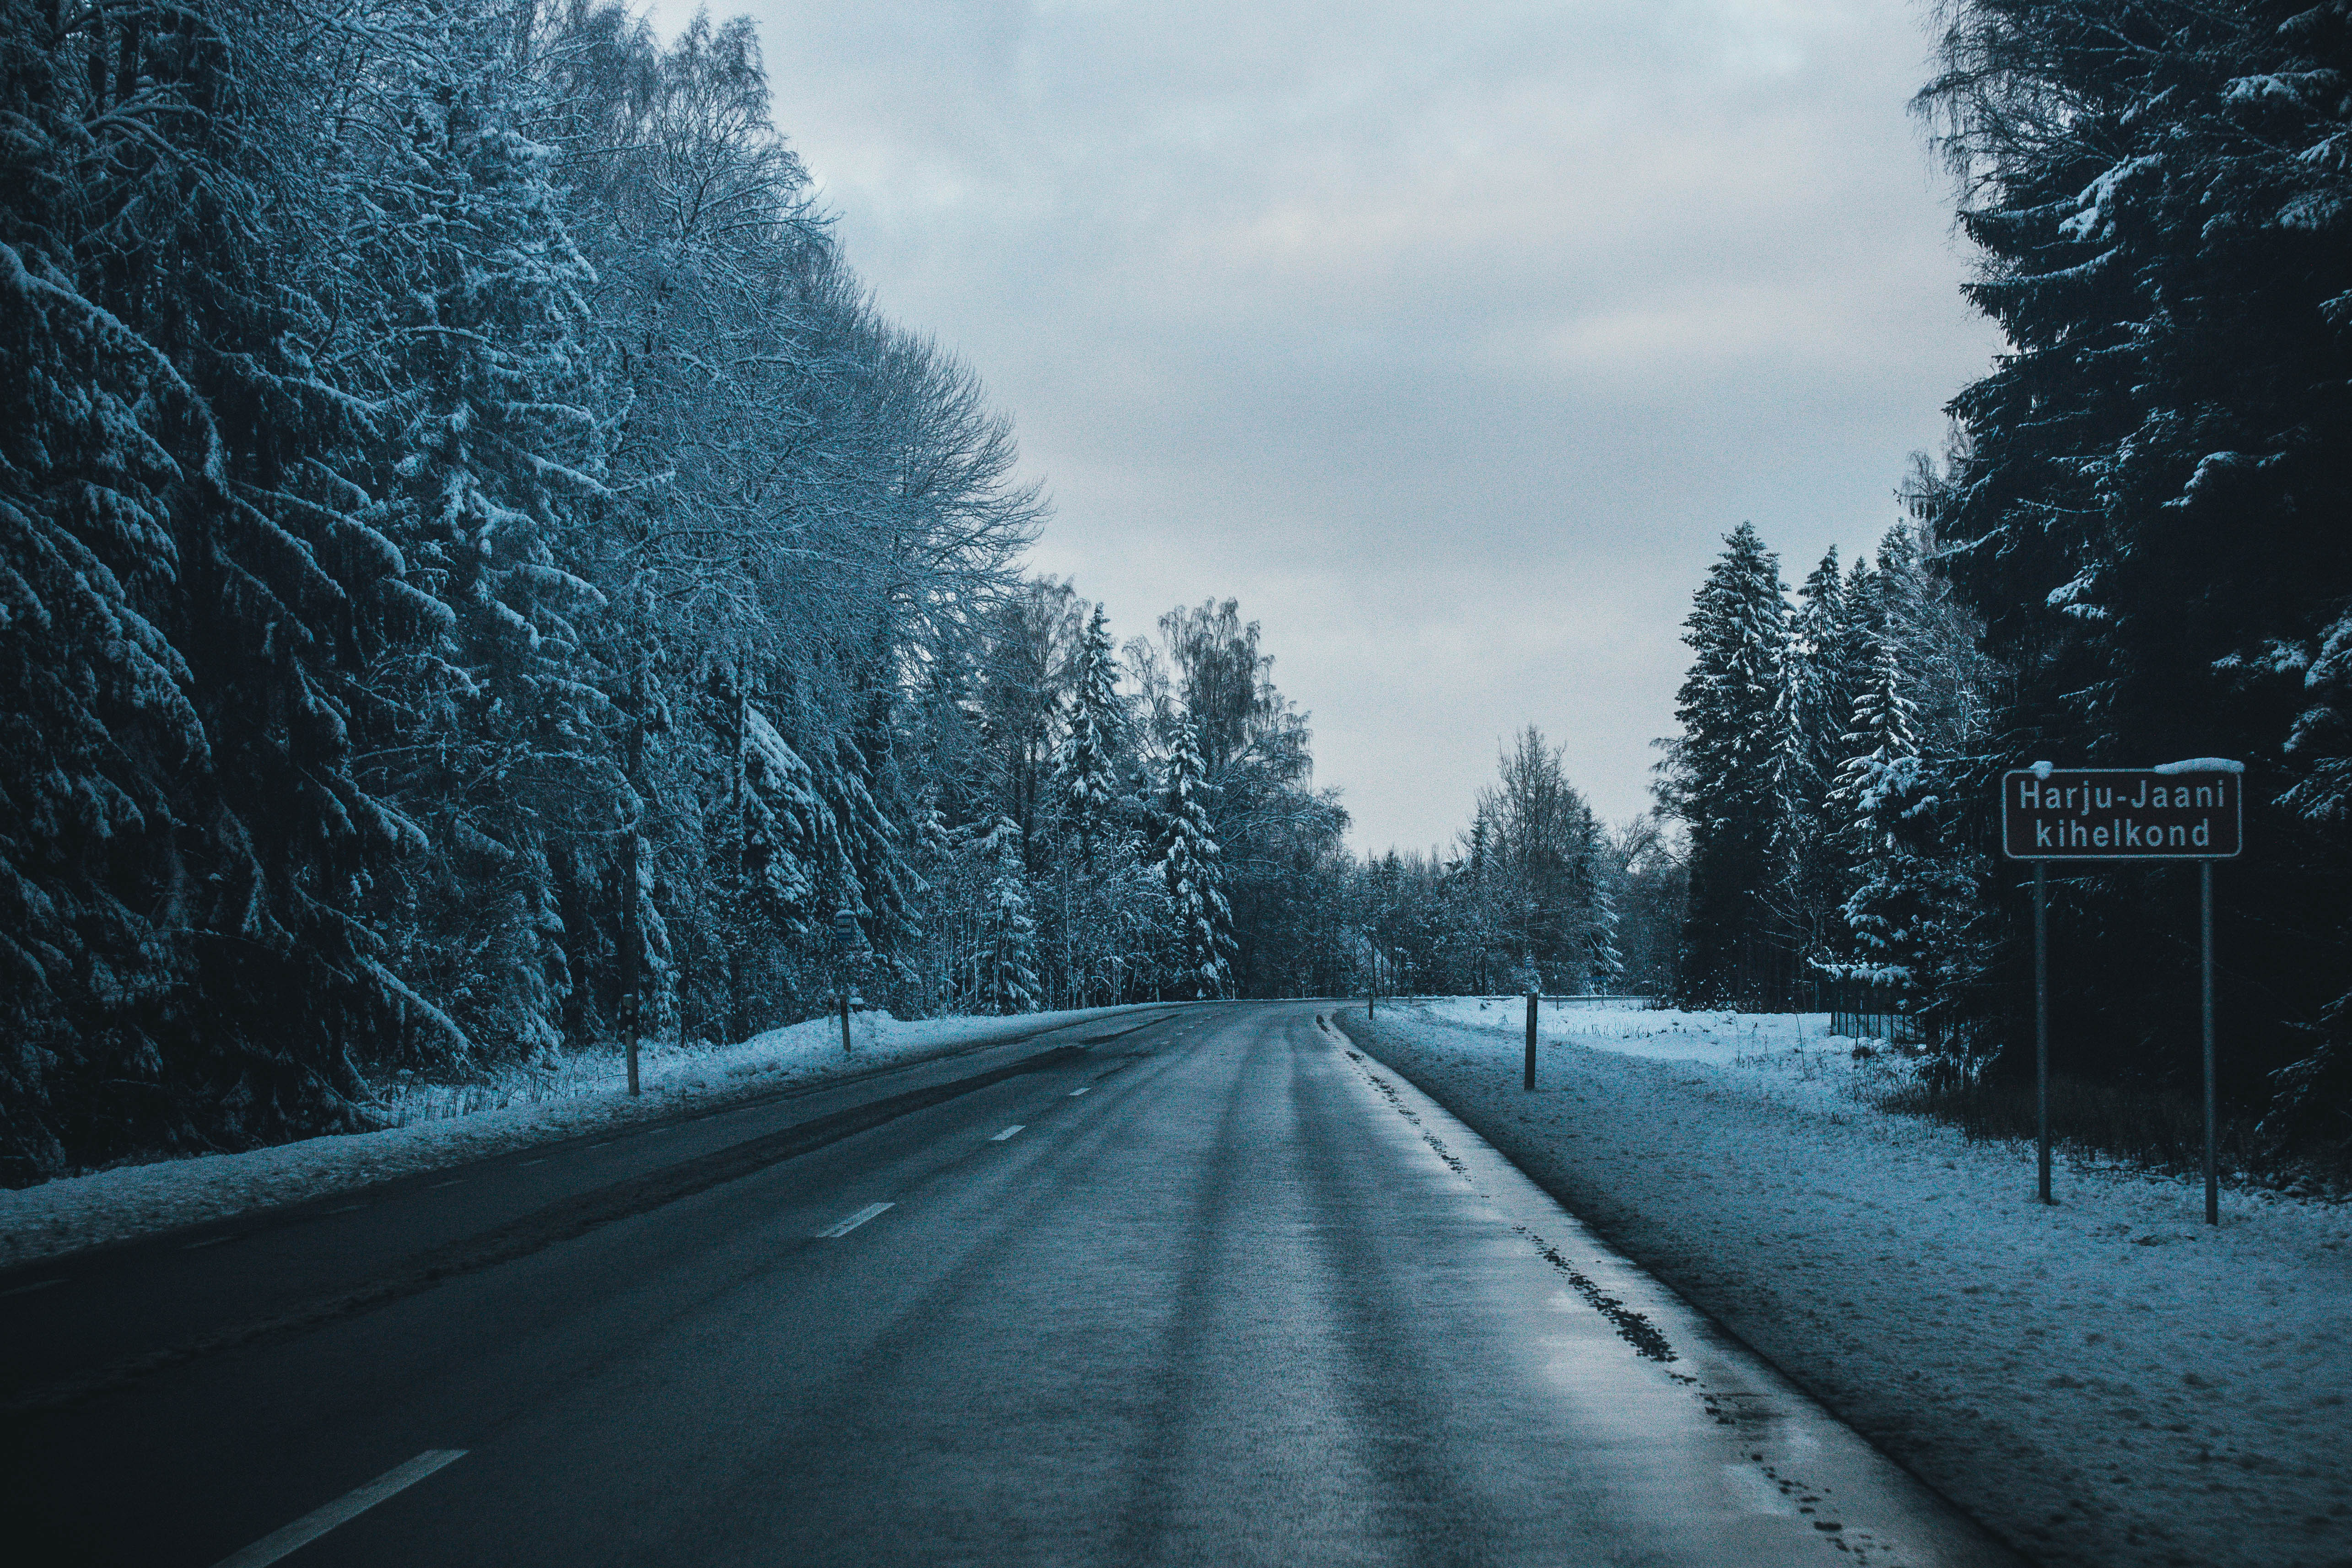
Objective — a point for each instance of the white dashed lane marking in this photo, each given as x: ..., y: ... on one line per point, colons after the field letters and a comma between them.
x: 832, y: 1232
x: 1080, y: 1089
x: 349, y: 1506
x: 1008, y: 1132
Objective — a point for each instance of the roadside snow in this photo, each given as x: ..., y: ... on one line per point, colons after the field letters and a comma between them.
x: 2106, y: 1381
x: 442, y: 1126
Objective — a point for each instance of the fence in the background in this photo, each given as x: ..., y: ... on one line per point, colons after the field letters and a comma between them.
x: 1856, y: 1010
x: 1859, y: 1011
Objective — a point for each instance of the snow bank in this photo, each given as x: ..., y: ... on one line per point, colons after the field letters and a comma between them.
x: 2106, y: 1381
x: 441, y: 1125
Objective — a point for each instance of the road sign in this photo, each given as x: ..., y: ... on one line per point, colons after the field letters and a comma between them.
x: 845, y: 934
x: 2192, y: 810
x: 2182, y: 812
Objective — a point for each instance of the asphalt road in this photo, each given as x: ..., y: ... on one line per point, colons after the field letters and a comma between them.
x: 1197, y: 1286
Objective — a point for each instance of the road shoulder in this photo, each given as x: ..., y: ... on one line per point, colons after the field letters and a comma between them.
x: 133, y: 1203
x: 2097, y: 1384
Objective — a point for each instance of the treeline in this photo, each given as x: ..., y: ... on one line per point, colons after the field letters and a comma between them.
x: 1134, y: 823
x: 2134, y: 553
x: 1537, y: 894
x: 1823, y: 780
x: 478, y: 576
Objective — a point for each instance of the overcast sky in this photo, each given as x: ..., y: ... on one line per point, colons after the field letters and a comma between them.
x: 1449, y: 342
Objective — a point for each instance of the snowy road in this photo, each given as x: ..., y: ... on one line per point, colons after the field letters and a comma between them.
x: 1213, y: 1290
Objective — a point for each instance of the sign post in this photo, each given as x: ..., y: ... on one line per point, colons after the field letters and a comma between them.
x: 1530, y: 1084
x: 2181, y: 810
x: 2042, y: 1026
x: 2213, y: 1171
x: 851, y: 940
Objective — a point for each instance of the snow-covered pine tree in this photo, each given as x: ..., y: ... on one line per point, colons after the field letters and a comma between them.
x: 1817, y: 695
x: 1192, y: 865
x: 100, y: 444
x: 876, y: 878
x: 1721, y: 774
x: 1007, y: 978
x: 2145, y: 503
x: 487, y: 354
x: 1086, y: 776
x: 1914, y: 917
x: 151, y: 173
x: 1877, y: 789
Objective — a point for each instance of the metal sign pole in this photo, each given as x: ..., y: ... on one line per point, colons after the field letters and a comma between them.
x: 2042, y: 1022
x: 2212, y: 1174
x: 2192, y: 810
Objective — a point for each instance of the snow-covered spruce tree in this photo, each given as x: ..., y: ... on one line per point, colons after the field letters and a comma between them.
x: 1914, y: 919
x: 2146, y: 498
x: 1031, y: 646
x: 101, y: 445
x: 490, y: 736
x: 1823, y: 671
x: 1719, y: 776
x: 1086, y: 778
x: 162, y: 170
x: 1007, y: 978
x: 1279, y: 837
x: 1190, y: 865
x: 1878, y: 788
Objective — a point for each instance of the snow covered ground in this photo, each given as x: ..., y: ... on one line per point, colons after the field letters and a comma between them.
x: 441, y: 1125
x: 2105, y: 1381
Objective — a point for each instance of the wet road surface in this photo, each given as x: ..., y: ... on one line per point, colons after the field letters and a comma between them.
x: 1199, y: 1286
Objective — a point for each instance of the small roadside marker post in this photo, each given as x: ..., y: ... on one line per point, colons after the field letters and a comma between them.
x: 1530, y: 1085
x: 2192, y: 810
x: 852, y: 943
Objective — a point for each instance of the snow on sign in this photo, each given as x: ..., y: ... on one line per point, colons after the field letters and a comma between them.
x: 2181, y: 812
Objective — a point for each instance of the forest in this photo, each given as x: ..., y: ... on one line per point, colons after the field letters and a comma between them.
x: 481, y: 577
x: 2133, y: 551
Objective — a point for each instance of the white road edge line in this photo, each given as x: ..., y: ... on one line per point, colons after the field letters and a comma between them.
x: 35, y: 1285
x: 1080, y: 1089
x: 833, y: 1231
x: 1008, y: 1132
x: 349, y: 1506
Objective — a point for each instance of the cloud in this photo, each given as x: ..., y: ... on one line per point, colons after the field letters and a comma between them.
x: 1450, y: 343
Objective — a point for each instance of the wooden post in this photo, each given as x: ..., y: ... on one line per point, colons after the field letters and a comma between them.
x: 1530, y: 1085
x: 845, y: 1018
